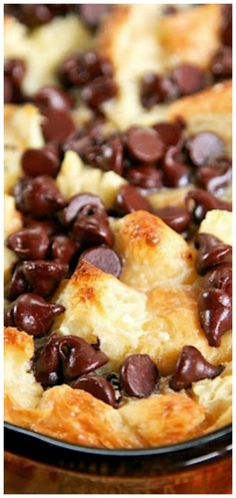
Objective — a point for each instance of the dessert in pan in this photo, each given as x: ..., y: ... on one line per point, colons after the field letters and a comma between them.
x: 118, y: 264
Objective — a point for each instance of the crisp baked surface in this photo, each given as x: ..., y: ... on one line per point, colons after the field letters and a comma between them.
x: 77, y: 416
x: 158, y: 322
x: 152, y: 308
x: 152, y: 252
x: 157, y: 295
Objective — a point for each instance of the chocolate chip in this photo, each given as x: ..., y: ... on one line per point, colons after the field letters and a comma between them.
x: 32, y: 15
x: 15, y: 69
x: 29, y: 243
x: 144, y: 144
x: 156, y: 89
x: 8, y: 90
x: 44, y: 276
x: 99, y: 387
x: 57, y: 125
x: 145, y: 177
x: 192, y: 367
x: 44, y: 161
x: 46, y: 362
x: 78, y: 202
x: 189, y: 78
x: 139, y: 375
x: 14, y: 72
x: 199, y: 202
x: 104, y: 258
x: 50, y: 226
x: 61, y: 9
x: 18, y: 284
x: 129, y: 200
x: 38, y: 196
x: 83, y: 67
x: 63, y: 249
x: 205, y: 147
x: 91, y: 227
x: 90, y: 220
x: 219, y: 278
x: 221, y: 64
x: 93, y: 14
x: 53, y: 97
x: 216, y: 176
x: 169, y: 10
x: 169, y: 133
x: 106, y: 155
x: 215, y: 310
x: 98, y: 91
x: 211, y: 252
x: 85, y: 136
x: 226, y: 28
x: 176, y: 217
x: 79, y: 357
x: 176, y: 173
x: 32, y: 314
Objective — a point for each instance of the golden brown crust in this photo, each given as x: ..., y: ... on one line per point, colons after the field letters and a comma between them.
x: 197, y: 33
x: 157, y: 295
x: 20, y: 386
x: 159, y: 322
x: 192, y: 36
x: 91, y: 298
x: 209, y: 110
x: 174, y: 323
x: 107, y: 41
x: 152, y: 309
x: 171, y: 414
x: 121, y: 28
x: 152, y: 252
x: 21, y: 341
x: 155, y: 50
x: 78, y: 417
x: 216, y: 99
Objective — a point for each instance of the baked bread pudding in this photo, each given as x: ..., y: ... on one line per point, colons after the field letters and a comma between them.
x: 118, y: 242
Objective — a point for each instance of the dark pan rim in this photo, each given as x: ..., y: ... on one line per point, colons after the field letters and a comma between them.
x: 216, y: 436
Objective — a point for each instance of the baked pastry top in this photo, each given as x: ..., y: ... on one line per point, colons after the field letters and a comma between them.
x: 118, y: 224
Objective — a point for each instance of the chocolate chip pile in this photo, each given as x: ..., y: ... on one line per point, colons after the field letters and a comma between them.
x: 35, y: 15
x: 214, y: 261
x: 149, y: 158
x: 187, y: 79
x: 88, y: 72
x: 46, y: 247
x: 58, y: 232
x: 72, y: 360
x: 161, y: 156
